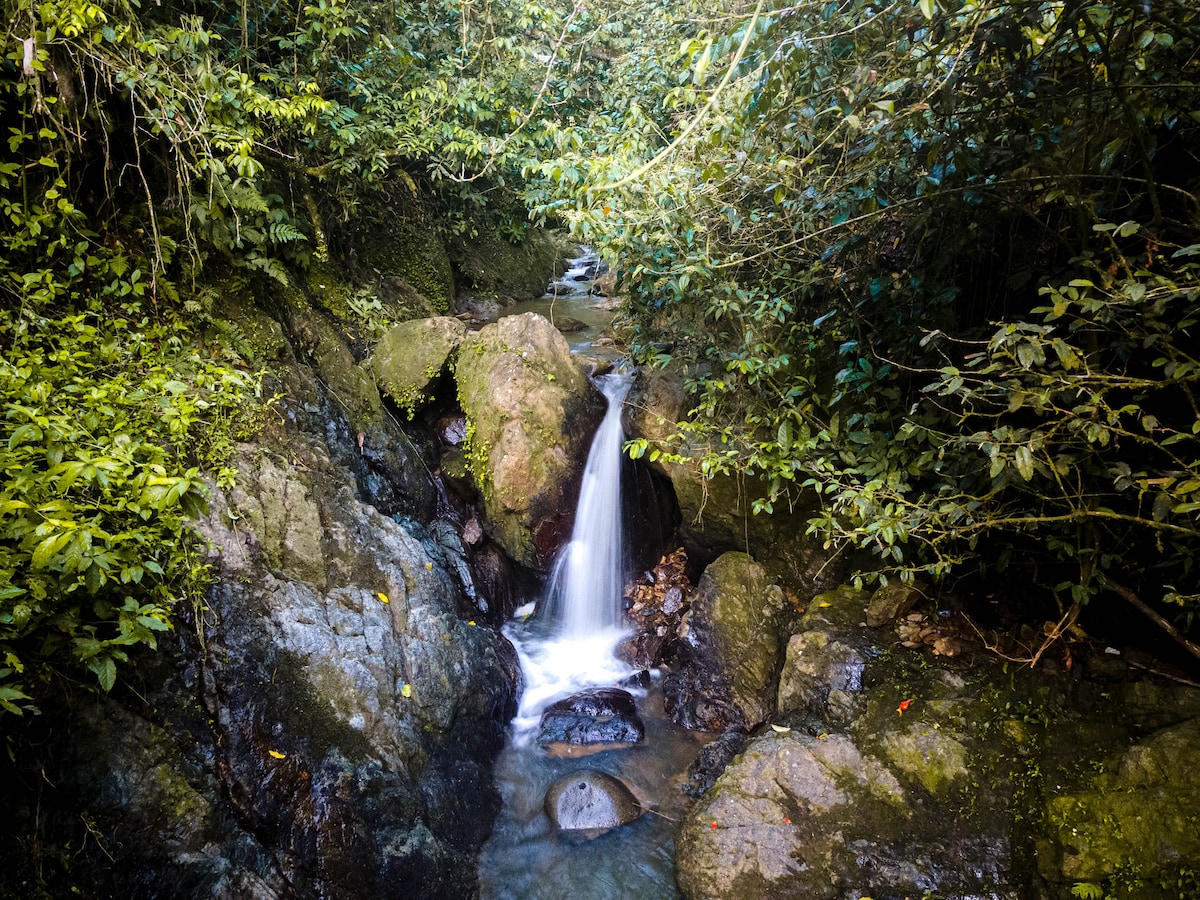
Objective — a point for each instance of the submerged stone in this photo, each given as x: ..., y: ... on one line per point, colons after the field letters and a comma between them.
x: 590, y: 800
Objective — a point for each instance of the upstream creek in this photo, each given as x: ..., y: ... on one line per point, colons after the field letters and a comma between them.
x: 567, y: 643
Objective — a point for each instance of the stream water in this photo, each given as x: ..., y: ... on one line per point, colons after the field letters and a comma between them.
x: 569, y: 645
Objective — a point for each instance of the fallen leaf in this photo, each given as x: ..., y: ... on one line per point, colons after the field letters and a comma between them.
x: 781, y: 729
x: 277, y: 754
x: 714, y: 825
x: 383, y: 598
x: 904, y: 704
x: 406, y: 691
x: 824, y: 605
x: 428, y: 565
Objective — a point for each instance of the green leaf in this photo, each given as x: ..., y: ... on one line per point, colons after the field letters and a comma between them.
x: 928, y: 7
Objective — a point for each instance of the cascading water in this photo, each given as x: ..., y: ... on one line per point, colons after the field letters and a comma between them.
x: 567, y: 647
x: 588, y: 582
x: 572, y: 646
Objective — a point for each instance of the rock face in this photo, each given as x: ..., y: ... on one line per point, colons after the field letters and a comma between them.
x: 590, y: 800
x: 597, y: 716
x: 531, y: 414
x: 324, y: 722
x: 729, y: 648
x: 717, y: 512
x: 412, y: 355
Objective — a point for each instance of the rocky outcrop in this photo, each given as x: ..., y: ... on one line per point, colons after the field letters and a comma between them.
x: 324, y: 720
x: 729, y: 648
x: 531, y: 415
x: 890, y: 772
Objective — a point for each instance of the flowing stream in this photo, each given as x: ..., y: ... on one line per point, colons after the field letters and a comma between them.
x: 569, y: 645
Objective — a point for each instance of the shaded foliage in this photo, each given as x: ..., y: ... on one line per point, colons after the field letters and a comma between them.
x: 933, y: 262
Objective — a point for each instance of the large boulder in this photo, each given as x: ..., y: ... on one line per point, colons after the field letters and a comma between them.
x: 816, y: 817
x: 411, y: 356
x: 730, y: 648
x: 530, y: 412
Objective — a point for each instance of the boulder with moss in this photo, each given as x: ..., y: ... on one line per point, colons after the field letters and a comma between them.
x: 413, y: 355
x: 530, y: 414
x: 729, y: 648
x: 1136, y: 817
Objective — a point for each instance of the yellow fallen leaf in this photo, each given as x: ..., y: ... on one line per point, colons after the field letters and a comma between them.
x: 781, y: 729
x: 824, y: 605
x: 383, y: 598
x: 472, y: 622
x: 429, y: 565
x: 406, y: 691
x: 277, y: 754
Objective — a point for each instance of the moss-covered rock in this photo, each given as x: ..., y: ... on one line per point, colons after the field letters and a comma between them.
x: 413, y: 355
x: 489, y: 266
x: 530, y: 413
x: 1138, y: 817
x: 730, y: 647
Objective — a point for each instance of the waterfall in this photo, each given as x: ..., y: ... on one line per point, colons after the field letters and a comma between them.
x: 588, y: 583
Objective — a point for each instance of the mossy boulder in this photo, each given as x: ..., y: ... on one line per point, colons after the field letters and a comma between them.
x: 530, y: 415
x: 490, y: 266
x: 730, y: 647
x: 1138, y: 817
x: 411, y: 356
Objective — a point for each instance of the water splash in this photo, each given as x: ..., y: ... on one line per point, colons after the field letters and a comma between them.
x: 588, y: 582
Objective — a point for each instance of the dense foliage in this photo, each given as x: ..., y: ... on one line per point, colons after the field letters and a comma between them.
x: 935, y: 263
x: 150, y: 151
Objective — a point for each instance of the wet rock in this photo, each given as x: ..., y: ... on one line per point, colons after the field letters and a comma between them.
x: 452, y: 429
x: 711, y: 761
x: 729, y: 648
x: 590, y: 800
x: 531, y: 410
x: 820, y: 678
x: 596, y: 716
x: 891, y: 601
x: 412, y: 355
